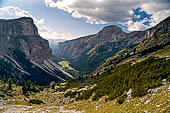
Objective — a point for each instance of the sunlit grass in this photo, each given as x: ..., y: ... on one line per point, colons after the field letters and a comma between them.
x: 163, y: 53
x: 66, y: 64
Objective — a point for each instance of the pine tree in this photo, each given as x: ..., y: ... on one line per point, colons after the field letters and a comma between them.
x: 10, y: 84
x: 24, y: 90
x: 28, y: 85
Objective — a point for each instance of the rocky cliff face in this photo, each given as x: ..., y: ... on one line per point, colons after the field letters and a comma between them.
x: 26, y: 53
x: 23, y: 26
x: 87, y: 53
x: 156, y: 37
x: 22, y: 34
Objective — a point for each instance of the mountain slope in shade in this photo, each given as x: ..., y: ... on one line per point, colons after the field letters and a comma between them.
x: 25, y: 55
x: 87, y: 53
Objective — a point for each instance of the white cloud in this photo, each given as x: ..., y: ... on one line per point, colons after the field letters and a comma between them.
x: 95, y: 11
x: 158, y: 16
x: 11, y: 12
x: 159, y: 9
x: 136, y: 26
x: 115, y: 11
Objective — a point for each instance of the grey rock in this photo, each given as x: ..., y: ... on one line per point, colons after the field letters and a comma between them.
x: 129, y: 94
x: 26, y: 52
x: 147, y: 102
x: 145, y: 111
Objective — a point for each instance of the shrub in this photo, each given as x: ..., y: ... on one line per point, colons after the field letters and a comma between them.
x: 36, y: 101
x: 71, y: 94
x: 24, y: 90
x: 95, y: 97
x: 1, y: 95
x: 121, y: 99
x: 86, y: 95
x: 10, y: 83
x: 79, y: 98
x: 34, y: 89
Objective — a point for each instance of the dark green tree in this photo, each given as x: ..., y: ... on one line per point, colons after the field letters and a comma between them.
x: 28, y: 85
x: 52, y: 84
x: 24, y: 90
x: 10, y: 84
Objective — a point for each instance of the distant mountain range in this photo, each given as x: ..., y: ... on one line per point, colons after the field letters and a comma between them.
x: 87, y: 53
x: 54, y: 44
x: 25, y: 55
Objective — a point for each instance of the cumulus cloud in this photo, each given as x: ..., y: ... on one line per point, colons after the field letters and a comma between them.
x: 136, y: 26
x: 159, y: 9
x: 11, y: 12
x: 114, y: 11
x: 95, y: 11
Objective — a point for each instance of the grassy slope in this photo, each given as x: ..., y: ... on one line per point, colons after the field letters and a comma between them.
x: 54, y: 100
x: 69, y: 69
x: 64, y: 64
x: 135, y: 105
x: 163, y: 53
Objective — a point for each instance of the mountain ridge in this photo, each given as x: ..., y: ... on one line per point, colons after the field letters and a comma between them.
x: 155, y: 39
x: 99, y: 47
x: 91, y: 51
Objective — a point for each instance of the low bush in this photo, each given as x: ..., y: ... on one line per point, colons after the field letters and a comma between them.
x: 121, y: 99
x: 71, y: 94
x: 36, y: 101
x: 1, y: 95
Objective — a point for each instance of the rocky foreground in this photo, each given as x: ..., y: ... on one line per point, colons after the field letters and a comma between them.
x: 156, y: 101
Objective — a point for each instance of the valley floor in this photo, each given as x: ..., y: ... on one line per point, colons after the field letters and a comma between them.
x: 156, y: 102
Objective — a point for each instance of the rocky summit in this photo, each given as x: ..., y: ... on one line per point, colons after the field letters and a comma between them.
x: 25, y: 55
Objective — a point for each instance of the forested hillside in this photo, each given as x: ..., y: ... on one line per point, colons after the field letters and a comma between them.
x: 139, y: 77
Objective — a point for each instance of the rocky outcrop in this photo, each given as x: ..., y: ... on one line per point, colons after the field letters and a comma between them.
x: 155, y: 38
x: 21, y: 26
x: 26, y: 54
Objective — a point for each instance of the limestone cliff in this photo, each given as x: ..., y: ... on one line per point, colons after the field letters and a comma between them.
x: 26, y: 53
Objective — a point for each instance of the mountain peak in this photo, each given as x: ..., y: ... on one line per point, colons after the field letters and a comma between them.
x: 25, y: 18
x: 111, y: 29
x: 21, y: 26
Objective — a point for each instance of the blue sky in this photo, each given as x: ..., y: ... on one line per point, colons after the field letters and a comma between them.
x: 70, y: 19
